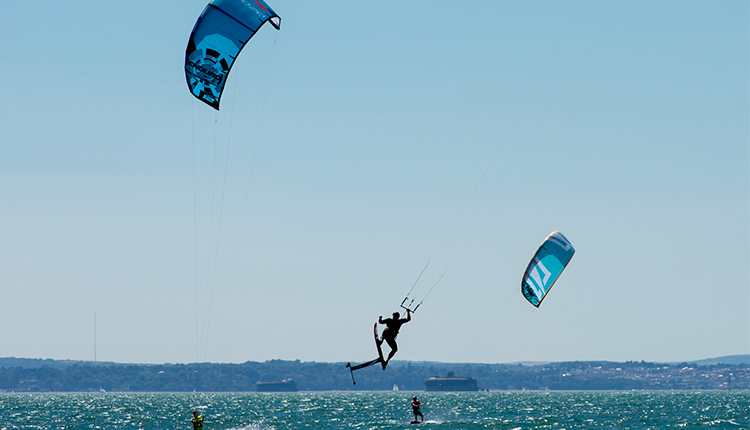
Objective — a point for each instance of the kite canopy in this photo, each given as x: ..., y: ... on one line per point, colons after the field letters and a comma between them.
x: 545, y: 267
x: 220, y: 33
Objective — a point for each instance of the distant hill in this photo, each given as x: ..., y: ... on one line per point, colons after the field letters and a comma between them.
x: 727, y: 359
x: 32, y: 363
x: 530, y: 363
x: 36, y: 375
x: 37, y: 363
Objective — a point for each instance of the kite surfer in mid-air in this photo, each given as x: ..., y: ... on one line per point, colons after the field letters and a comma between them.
x: 392, y: 325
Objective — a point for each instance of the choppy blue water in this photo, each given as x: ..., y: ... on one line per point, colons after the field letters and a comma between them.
x: 484, y: 410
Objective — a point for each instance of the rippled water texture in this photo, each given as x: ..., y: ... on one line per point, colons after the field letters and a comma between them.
x: 494, y: 410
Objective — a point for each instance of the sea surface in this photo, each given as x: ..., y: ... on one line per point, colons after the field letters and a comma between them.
x: 379, y: 410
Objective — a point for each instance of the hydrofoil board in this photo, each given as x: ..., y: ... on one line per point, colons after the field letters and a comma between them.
x: 377, y: 345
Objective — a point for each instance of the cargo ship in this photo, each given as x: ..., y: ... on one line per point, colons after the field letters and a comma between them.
x: 287, y: 385
x: 450, y: 382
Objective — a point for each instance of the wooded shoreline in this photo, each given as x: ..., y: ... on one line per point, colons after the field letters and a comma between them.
x: 29, y: 375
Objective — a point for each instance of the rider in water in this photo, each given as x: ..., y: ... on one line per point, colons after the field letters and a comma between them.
x: 197, y: 421
x: 392, y: 325
x: 415, y: 405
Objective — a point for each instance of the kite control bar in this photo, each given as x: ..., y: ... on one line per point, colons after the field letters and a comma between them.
x: 408, y: 306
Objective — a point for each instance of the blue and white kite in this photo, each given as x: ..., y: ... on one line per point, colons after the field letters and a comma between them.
x: 220, y: 33
x: 546, y: 266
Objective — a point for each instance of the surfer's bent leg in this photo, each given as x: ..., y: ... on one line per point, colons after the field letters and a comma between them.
x: 392, y: 344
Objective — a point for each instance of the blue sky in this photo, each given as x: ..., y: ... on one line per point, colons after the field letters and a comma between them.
x: 376, y: 137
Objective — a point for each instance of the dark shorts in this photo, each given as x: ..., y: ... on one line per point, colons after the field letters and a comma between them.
x: 390, y: 338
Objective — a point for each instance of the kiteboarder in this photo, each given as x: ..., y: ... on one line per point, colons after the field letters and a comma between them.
x: 197, y: 421
x: 415, y: 405
x: 392, y: 325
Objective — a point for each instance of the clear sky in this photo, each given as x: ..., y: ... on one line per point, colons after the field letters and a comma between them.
x: 374, y: 137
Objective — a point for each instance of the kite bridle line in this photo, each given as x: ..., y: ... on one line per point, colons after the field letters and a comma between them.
x: 407, y: 307
x: 411, y: 301
x: 248, y: 188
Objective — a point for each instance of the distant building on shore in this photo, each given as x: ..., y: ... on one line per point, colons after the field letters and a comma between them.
x: 287, y: 385
x: 450, y: 382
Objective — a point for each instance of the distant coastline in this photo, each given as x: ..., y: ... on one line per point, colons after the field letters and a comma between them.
x: 46, y: 375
